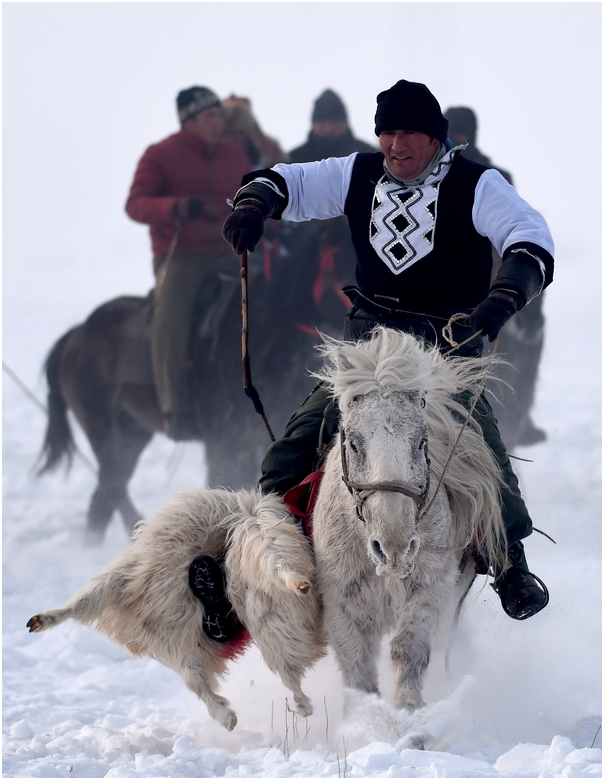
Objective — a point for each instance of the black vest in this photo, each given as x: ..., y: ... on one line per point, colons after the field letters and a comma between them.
x: 456, y: 275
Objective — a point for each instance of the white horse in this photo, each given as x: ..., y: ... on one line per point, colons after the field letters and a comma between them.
x: 143, y: 599
x: 393, y: 513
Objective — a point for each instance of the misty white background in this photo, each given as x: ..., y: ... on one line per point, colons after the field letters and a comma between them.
x: 86, y: 88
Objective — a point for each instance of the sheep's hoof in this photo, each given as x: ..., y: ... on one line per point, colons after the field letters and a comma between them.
x: 36, y: 623
x: 303, y: 587
x: 230, y: 720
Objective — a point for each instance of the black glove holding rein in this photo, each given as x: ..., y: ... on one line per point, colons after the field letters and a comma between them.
x: 492, y: 314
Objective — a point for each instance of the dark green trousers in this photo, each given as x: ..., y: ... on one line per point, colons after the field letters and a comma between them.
x: 294, y: 456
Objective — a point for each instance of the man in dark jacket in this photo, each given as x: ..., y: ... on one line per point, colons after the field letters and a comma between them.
x: 326, y: 243
x: 330, y: 134
x: 521, y: 340
x: 180, y: 189
x: 423, y: 220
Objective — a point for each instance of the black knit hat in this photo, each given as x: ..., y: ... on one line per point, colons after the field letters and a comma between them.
x: 192, y: 101
x: 462, y: 120
x: 409, y: 105
x: 329, y: 106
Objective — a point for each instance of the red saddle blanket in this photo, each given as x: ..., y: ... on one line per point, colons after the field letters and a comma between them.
x: 300, y: 500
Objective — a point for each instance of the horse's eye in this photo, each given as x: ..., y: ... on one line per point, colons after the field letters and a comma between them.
x: 353, y: 446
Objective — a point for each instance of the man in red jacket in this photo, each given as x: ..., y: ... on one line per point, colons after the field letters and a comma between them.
x: 180, y: 189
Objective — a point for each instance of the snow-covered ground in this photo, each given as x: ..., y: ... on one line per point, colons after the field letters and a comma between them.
x: 523, y: 699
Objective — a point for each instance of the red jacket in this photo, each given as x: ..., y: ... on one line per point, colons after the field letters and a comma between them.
x: 184, y: 166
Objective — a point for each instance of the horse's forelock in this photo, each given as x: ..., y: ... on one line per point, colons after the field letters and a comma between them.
x: 388, y: 361
x: 392, y: 360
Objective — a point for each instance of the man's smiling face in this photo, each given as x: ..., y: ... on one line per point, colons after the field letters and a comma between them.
x: 407, y: 152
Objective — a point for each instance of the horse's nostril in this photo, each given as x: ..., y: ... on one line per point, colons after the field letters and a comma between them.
x: 377, y: 551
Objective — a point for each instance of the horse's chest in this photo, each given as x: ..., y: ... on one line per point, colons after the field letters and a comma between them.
x: 369, y: 600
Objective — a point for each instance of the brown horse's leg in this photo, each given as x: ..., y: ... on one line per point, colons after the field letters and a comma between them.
x: 117, y: 455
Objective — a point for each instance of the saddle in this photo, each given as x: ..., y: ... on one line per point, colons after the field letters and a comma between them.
x: 134, y: 363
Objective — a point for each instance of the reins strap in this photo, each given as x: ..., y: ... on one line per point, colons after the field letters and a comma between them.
x: 248, y: 387
x: 447, y: 332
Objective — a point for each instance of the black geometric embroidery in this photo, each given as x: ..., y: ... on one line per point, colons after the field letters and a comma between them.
x: 404, y: 197
x: 398, y: 251
x: 401, y: 223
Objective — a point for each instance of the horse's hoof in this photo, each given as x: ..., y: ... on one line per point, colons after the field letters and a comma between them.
x: 36, y: 623
x: 413, y: 742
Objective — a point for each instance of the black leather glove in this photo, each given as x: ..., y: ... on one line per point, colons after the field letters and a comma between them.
x: 244, y: 228
x: 490, y: 316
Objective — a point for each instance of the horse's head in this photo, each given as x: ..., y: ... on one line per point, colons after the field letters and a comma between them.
x: 386, y: 469
x: 381, y: 384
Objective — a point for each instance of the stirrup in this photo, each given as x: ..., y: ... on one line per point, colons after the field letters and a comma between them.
x: 529, y: 612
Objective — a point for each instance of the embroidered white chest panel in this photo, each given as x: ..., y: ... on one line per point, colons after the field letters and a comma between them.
x: 403, y: 219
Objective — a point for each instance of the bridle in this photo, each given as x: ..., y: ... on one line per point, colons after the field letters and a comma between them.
x: 356, y: 488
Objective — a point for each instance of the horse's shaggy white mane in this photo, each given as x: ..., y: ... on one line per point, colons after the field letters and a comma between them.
x: 391, y: 360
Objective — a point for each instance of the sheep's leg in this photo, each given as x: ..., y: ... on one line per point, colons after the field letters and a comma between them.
x: 289, y: 670
x: 84, y: 607
x: 195, y: 676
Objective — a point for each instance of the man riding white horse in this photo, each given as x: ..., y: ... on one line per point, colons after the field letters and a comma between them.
x: 422, y: 220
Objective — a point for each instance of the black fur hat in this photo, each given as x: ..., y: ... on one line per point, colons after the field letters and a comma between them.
x: 409, y: 105
x: 190, y: 102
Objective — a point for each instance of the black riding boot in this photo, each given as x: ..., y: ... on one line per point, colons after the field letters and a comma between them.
x: 207, y: 583
x: 522, y: 594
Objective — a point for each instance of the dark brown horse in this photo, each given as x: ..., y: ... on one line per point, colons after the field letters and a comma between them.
x: 101, y: 371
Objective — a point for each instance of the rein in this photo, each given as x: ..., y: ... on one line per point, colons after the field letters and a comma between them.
x: 447, y: 332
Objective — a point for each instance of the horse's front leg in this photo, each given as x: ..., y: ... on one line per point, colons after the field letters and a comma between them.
x: 356, y: 643
x: 411, y: 646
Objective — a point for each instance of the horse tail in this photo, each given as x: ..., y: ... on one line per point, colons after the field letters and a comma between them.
x: 58, y: 440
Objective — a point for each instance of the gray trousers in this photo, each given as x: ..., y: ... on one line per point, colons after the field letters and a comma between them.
x: 178, y: 282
